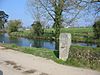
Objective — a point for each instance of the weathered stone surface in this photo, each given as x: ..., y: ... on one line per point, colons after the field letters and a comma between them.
x: 64, y: 45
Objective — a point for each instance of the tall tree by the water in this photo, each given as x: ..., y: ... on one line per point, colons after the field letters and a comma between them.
x: 61, y: 11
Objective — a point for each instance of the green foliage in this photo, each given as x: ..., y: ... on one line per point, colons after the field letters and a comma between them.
x: 84, y: 57
x: 3, y: 19
x: 37, y: 28
x: 13, y: 25
x: 96, y: 28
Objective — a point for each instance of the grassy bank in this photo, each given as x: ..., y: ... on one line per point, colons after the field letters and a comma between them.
x: 78, y: 34
x: 85, y: 57
x: 28, y: 34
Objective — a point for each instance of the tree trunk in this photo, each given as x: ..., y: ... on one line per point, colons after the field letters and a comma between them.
x: 57, y: 21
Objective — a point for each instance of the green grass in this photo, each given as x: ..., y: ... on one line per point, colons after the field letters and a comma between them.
x: 77, y: 30
x: 85, y: 57
x: 72, y: 30
x: 78, y: 34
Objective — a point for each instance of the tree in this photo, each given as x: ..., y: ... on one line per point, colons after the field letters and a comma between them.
x: 37, y: 28
x: 3, y: 19
x: 59, y: 10
x: 96, y: 28
x: 14, y: 25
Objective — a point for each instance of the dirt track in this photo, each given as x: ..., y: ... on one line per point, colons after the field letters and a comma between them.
x: 18, y: 63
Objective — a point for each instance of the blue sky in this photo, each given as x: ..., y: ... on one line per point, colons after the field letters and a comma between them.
x: 17, y: 9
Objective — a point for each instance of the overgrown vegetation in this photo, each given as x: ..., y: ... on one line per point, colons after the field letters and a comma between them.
x: 85, y: 57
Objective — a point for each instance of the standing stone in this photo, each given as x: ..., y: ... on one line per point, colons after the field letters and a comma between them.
x: 64, y: 45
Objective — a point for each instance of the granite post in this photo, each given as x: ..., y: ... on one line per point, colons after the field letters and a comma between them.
x: 64, y: 45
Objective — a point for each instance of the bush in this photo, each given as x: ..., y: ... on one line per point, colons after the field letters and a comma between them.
x: 14, y: 25
x: 37, y: 28
x: 96, y: 28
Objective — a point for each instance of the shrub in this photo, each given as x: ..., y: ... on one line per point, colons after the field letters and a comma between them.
x: 96, y: 28
x: 14, y: 25
x: 37, y: 28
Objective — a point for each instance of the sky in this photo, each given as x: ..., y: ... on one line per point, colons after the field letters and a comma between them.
x: 17, y: 9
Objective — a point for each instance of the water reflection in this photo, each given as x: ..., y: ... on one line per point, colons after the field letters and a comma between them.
x: 37, y: 43
x: 27, y: 42
x: 86, y: 44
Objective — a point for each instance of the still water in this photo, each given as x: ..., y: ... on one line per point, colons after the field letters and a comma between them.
x: 4, y: 38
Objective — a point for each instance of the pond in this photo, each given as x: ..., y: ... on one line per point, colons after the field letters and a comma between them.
x: 4, y: 38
